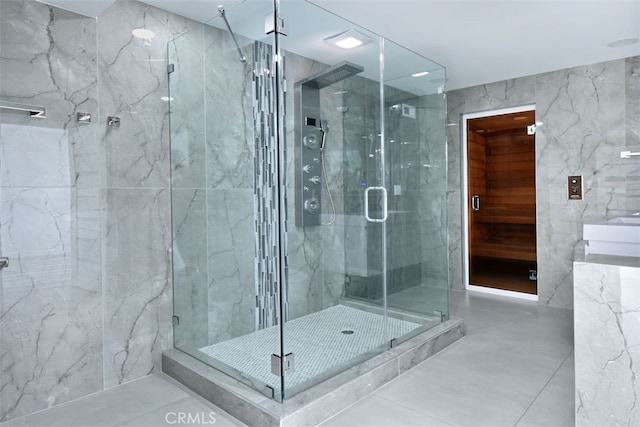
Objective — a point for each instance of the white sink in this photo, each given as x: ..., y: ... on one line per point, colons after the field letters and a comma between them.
x: 616, y: 236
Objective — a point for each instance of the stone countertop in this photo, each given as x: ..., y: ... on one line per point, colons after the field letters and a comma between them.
x: 622, y: 261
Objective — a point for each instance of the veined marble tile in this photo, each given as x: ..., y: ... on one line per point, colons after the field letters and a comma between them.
x: 49, y: 327
x: 456, y: 107
x: 230, y: 263
x: 35, y: 157
x: 607, y: 327
x: 50, y: 344
x: 48, y: 60
x: 133, y: 82
x: 230, y: 137
x: 190, y: 282
x: 50, y: 322
x: 632, y: 97
x: 186, y: 87
x: 137, y: 282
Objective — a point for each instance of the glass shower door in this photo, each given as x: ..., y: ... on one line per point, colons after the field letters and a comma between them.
x: 227, y: 198
x: 300, y: 227
x: 415, y: 153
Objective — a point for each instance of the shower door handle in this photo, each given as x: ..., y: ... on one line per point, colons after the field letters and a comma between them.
x: 475, y: 202
x: 385, y: 212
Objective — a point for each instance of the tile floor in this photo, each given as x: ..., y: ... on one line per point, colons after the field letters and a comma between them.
x: 317, y: 348
x: 514, y: 368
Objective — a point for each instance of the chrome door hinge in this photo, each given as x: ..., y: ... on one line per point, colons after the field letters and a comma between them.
x: 170, y: 68
x: 176, y: 320
x: 279, y: 25
x: 287, y: 364
x: 440, y: 314
x: 531, y: 130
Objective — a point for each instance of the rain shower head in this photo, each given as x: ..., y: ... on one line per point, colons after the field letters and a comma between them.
x: 332, y: 75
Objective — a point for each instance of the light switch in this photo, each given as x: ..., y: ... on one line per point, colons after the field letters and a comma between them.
x: 574, y: 186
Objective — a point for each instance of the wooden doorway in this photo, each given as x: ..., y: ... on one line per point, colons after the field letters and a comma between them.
x: 501, y: 201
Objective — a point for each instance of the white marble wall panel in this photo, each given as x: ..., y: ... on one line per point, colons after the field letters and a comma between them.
x: 432, y: 199
x: 632, y: 99
x: 190, y: 282
x: 50, y: 295
x: 607, y: 344
x: 137, y: 282
x: 133, y: 81
x: 455, y: 109
x: 582, y: 110
x: 230, y: 253
x: 136, y: 199
x: 228, y: 106
x: 48, y: 59
x: 632, y: 121
x: 50, y: 338
x: 187, y: 110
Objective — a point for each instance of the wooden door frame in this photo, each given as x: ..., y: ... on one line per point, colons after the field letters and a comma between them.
x: 465, y: 197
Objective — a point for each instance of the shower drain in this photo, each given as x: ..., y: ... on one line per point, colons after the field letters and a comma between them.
x: 347, y: 331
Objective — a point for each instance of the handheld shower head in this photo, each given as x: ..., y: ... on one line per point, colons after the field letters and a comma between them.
x: 324, y: 130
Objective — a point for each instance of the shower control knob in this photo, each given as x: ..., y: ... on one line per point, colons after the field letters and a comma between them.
x: 306, y: 168
x: 316, y: 160
x: 312, y: 205
x: 311, y: 141
x: 315, y: 179
x: 305, y: 188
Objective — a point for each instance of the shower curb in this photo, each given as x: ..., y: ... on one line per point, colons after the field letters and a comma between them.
x: 320, y: 402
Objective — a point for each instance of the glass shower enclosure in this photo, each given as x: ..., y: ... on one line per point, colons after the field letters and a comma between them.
x: 308, y: 190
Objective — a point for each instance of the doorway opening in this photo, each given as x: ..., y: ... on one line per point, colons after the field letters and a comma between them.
x: 500, y: 202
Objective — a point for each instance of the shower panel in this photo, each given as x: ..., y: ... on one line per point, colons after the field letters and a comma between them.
x: 311, y: 132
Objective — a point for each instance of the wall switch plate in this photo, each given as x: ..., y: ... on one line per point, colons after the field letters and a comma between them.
x: 574, y: 186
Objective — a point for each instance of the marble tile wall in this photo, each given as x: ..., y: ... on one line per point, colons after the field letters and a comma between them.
x: 136, y: 201
x: 84, y: 209
x: 51, y: 346
x: 229, y: 169
x: 583, y: 112
x: 607, y: 338
x: 189, y: 192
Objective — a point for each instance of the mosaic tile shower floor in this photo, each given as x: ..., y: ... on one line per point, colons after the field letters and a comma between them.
x: 316, y: 340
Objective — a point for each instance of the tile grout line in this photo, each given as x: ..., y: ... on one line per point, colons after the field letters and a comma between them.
x: 414, y: 410
x: 544, y: 387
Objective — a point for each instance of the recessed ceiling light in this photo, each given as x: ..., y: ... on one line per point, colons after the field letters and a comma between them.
x: 623, y: 42
x: 143, y: 33
x: 349, y: 39
x: 420, y: 74
x: 348, y: 43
